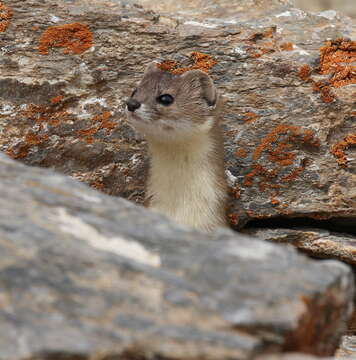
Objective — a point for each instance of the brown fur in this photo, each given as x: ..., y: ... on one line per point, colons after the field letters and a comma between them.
x: 187, y: 179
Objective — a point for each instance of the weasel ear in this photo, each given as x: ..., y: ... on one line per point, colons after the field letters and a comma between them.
x: 152, y: 67
x: 204, y: 81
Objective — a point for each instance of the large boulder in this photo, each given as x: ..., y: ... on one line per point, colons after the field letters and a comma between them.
x: 67, y: 66
x: 88, y: 276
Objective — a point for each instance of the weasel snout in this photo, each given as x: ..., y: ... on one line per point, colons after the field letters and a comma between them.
x: 132, y: 104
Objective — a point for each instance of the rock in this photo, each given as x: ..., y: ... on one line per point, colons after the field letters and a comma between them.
x: 84, y: 275
x: 291, y: 356
x: 347, y: 349
x: 327, y: 7
x: 64, y: 109
x: 315, y: 242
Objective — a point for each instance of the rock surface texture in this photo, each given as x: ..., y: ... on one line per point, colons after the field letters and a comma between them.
x: 67, y: 67
x: 80, y: 280
x: 315, y: 242
x: 347, y: 7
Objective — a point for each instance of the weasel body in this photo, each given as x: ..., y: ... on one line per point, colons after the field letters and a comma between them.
x: 179, y: 116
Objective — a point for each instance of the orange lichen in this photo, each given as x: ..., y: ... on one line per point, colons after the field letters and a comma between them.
x: 233, y: 219
x: 338, y: 150
x: 87, y: 132
x: 325, y: 91
x: 97, y: 185
x: 33, y: 139
x: 168, y: 65
x: 277, y: 144
x: 308, y: 138
x: 326, y: 95
x: 242, y: 153
x: 103, y: 119
x: 5, y: 16
x: 269, y: 44
x: 288, y: 46
x: 272, y: 137
x: 258, y: 169
x: 278, y: 154
x: 295, y: 173
x: 249, y: 177
x: 337, y: 58
x: 47, y: 114
x: 258, y: 51
x: 305, y: 72
x: 236, y: 192
x: 22, y: 150
x: 320, y: 216
x: 201, y: 61
x: 255, y: 51
x: 75, y: 38
x: 56, y: 100
x: 250, y: 117
x: 37, y: 115
x: 268, y: 33
x: 274, y: 201
x: 100, y: 121
x: 254, y: 54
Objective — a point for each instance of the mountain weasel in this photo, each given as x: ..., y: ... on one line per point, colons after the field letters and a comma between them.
x: 179, y: 116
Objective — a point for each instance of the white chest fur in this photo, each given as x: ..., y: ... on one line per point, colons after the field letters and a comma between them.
x: 184, y: 184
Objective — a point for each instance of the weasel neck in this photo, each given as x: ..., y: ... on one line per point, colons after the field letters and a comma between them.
x: 187, y: 180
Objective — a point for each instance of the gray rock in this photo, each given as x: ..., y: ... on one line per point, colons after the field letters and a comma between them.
x: 85, y: 275
x: 292, y: 356
x: 347, y: 349
x: 267, y: 101
x: 327, y: 7
x: 315, y: 242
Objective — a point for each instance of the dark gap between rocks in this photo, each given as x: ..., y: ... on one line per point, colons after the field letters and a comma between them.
x: 337, y: 225
x: 58, y: 356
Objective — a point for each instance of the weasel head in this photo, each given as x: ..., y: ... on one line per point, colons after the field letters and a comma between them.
x: 168, y: 107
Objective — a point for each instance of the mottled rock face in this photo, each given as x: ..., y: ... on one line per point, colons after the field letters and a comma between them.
x: 66, y: 69
x: 347, y: 7
x: 80, y: 279
x: 286, y: 153
x: 315, y: 242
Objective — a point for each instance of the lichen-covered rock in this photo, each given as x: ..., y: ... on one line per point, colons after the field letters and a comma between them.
x: 66, y: 68
x: 292, y: 356
x: 347, y: 349
x: 315, y: 242
x: 88, y: 276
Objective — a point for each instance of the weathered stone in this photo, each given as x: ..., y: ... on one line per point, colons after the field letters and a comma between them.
x: 291, y: 356
x: 347, y: 349
x: 315, y: 242
x: 89, y: 276
x: 78, y: 127
x: 347, y: 7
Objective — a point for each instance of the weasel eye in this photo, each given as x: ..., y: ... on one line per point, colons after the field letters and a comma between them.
x: 165, y: 99
x: 134, y: 92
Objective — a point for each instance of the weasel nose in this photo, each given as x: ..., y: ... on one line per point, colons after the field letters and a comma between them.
x: 132, y: 105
